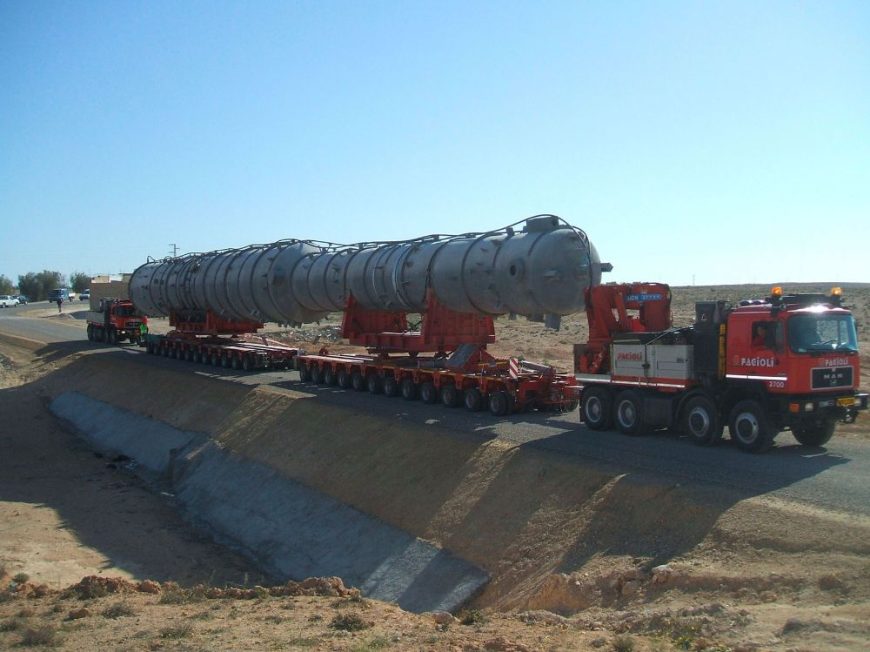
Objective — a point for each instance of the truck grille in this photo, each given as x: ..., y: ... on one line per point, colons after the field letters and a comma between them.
x: 825, y: 377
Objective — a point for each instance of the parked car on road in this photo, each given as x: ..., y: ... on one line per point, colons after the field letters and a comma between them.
x: 85, y: 295
x: 6, y: 301
x: 59, y: 293
x: 23, y: 299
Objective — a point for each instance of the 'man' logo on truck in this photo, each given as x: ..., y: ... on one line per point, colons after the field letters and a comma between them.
x: 632, y: 357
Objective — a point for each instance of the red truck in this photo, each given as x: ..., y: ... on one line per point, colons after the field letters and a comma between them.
x: 787, y: 362
x: 116, y: 320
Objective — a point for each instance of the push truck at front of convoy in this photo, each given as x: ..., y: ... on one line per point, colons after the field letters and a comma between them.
x: 764, y: 366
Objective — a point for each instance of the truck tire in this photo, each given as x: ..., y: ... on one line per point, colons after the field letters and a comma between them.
x: 343, y: 378
x: 90, y: 332
x: 304, y: 373
x: 357, y: 381
x: 111, y: 336
x: 628, y: 413
x: 316, y: 374
x: 409, y: 388
x: 500, y: 403
x: 391, y: 386
x: 329, y: 376
x: 247, y: 363
x: 597, y: 408
x: 373, y: 384
x: 700, y: 421
x: 473, y: 399
x: 450, y: 396
x: 817, y: 433
x: 428, y: 393
x: 750, y: 428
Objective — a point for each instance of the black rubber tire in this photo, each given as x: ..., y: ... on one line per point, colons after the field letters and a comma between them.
x: 818, y: 433
x: 111, y: 336
x: 316, y: 374
x: 215, y: 359
x: 428, y: 393
x: 596, y: 408
x: 473, y: 399
x: 329, y: 376
x: 197, y: 356
x: 90, y: 332
x: 247, y: 363
x: 700, y: 420
x: 374, y: 384
x: 450, y: 396
x: 357, y: 381
x: 628, y: 412
x: 391, y: 386
x: 749, y: 427
x: 342, y: 378
x: 304, y: 373
x: 409, y: 388
x: 500, y: 403
x: 236, y: 363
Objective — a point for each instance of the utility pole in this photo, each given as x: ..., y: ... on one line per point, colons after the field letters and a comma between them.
x: 174, y: 250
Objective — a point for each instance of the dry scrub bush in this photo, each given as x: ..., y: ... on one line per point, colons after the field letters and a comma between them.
x: 118, y: 610
x: 349, y: 623
x: 182, y: 630
x: 39, y: 636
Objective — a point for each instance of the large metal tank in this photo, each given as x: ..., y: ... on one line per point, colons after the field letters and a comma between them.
x: 541, y: 269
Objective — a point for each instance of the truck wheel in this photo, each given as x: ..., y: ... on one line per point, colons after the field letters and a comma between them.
x: 700, y: 420
x: 247, y: 363
x: 343, y: 378
x: 329, y: 377
x: 409, y: 388
x: 215, y: 359
x: 111, y: 336
x: 90, y: 332
x: 628, y: 413
x: 428, y: 393
x: 304, y: 373
x: 817, y: 433
x: 596, y: 408
x: 357, y: 381
x: 749, y: 427
x: 500, y: 403
x: 450, y: 396
x: 235, y: 363
x: 317, y: 375
x: 391, y: 386
x: 373, y: 383
x: 473, y: 399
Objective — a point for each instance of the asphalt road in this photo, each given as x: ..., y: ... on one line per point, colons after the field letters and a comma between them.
x: 834, y: 477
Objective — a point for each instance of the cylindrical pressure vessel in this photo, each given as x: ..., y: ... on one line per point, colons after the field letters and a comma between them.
x: 543, y: 268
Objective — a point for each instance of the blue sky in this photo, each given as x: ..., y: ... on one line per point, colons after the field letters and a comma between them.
x: 716, y: 142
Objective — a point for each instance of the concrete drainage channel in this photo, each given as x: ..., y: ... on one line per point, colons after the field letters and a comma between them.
x: 290, y: 530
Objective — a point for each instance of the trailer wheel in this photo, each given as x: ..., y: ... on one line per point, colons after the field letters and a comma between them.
x: 391, y: 386
x: 373, y: 383
x: 473, y: 399
x: 628, y: 413
x: 357, y: 381
x: 428, y: 393
x: 235, y: 363
x: 700, y: 420
x: 818, y: 433
x: 409, y: 388
x: 450, y: 396
x: 597, y: 408
x: 500, y: 403
x: 215, y: 359
x: 329, y: 376
x: 343, y: 378
x: 247, y: 363
x: 750, y: 428
x: 304, y: 373
x: 111, y: 336
x: 317, y: 374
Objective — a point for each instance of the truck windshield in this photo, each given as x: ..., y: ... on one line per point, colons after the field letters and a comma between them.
x: 808, y: 333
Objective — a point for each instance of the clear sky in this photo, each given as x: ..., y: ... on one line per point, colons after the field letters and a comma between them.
x: 720, y: 142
